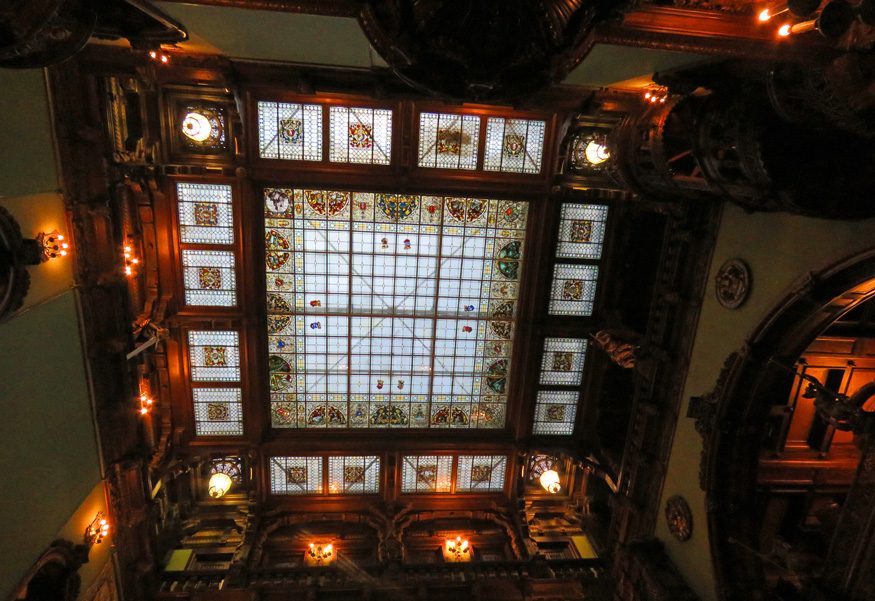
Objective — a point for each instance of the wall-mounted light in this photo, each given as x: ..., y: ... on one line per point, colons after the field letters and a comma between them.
x: 550, y: 481
x: 97, y: 530
x: 319, y: 553
x: 656, y: 94
x: 131, y: 260
x: 146, y: 403
x: 159, y: 56
x: 52, y: 244
x: 457, y: 549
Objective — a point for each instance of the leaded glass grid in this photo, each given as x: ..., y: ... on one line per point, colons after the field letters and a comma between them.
x: 427, y: 473
x: 581, y: 231
x: 481, y: 473
x: 390, y: 310
x: 218, y: 412
x: 296, y: 475
x: 205, y: 213
x: 214, y: 356
x: 573, y: 289
x: 514, y: 145
x: 360, y: 135
x: 563, y: 360
x: 555, y: 411
x: 354, y: 475
x: 448, y: 141
x: 290, y: 131
x: 209, y: 278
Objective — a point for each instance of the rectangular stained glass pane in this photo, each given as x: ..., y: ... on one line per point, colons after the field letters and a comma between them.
x: 481, y: 473
x: 555, y: 411
x: 214, y: 356
x: 514, y: 145
x: 563, y: 361
x: 573, y: 289
x: 360, y: 135
x: 205, y: 213
x: 210, y: 278
x: 448, y: 141
x: 296, y: 475
x: 427, y: 473
x: 289, y: 131
x: 353, y: 475
x: 581, y: 231
x: 389, y: 310
x: 218, y: 412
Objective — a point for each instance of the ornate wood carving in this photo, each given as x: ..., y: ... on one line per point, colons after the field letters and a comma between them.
x: 732, y: 283
x: 679, y: 518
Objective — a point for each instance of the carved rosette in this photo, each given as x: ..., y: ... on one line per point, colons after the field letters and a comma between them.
x: 679, y: 518
x: 732, y: 283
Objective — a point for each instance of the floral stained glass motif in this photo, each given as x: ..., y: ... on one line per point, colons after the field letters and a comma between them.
x: 555, y: 411
x: 203, y: 128
x: 563, y: 360
x: 205, y: 213
x: 448, y: 141
x: 218, y: 412
x: 514, y: 145
x: 214, y: 356
x: 427, y: 474
x: 289, y: 131
x: 581, y: 231
x: 295, y: 475
x: 481, y: 473
x: 353, y: 475
x: 360, y: 135
x: 388, y: 310
x: 209, y: 277
x: 573, y: 289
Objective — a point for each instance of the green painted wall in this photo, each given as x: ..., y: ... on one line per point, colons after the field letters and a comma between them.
x: 607, y: 64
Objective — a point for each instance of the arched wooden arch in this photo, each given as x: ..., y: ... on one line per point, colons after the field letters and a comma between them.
x: 53, y: 577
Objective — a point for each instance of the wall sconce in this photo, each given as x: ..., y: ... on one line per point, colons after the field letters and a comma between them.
x: 159, y: 56
x: 832, y: 21
x: 319, y: 554
x: 656, y: 94
x: 457, y: 549
x: 550, y: 481
x: 146, y: 403
x: 52, y: 245
x: 131, y: 261
x: 97, y: 530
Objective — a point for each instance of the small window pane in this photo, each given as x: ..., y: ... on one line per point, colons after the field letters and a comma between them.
x: 427, y: 473
x: 563, y: 361
x: 295, y: 475
x: 581, y: 231
x: 573, y: 289
x: 218, y: 412
x: 214, y: 356
x: 353, y: 475
x: 481, y: 473
x: 514, y: 145
x: 448, y: 141
x: 205, y: 213
x: 555, y: 411
x: 210, y: 278
x: 289, y: 131
x: 361, y: 135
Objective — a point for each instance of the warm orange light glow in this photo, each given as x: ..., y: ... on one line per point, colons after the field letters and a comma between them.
x: 153, y: 54
x: 550, y: 481
x: 319, y: 554
x: 97, y: 530
x: 457, y: 549
x: 784, y: 30
x: 765, y: 15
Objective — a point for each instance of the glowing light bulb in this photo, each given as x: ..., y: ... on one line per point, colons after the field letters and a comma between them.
x: 764, y: 15
x: 550, y: 481
x: 220, y: 483
x: 784, y: 30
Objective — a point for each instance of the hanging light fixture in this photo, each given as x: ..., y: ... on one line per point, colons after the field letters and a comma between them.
x: 550, y: 481
x: 196, y: 126
x: 220, y: 483
x: 224, y: 472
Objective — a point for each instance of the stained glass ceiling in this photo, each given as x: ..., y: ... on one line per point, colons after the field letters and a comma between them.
x: 389, y: 310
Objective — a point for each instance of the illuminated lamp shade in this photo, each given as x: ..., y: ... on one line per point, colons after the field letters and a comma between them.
x: 596, y: 153
x: 196, y: 127
x: 550, y: 482
x: 220, y: 484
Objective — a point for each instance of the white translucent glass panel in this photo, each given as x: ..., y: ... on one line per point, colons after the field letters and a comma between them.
x: 353, y: 475
x: 214, y: 356
x: 289, y: 131
x: 481, y: 473
x: 581, y: 231
x: 205, y: 213
x: 427, y: 473
x: 209, y: 277
x: 218, y: 412
x: 296, y: 475
x: 448, y: 141
x: 390, y: 310
x: 563, y: 361
x: 360, y: 135
x: 514, y: 145
x: 555, y: 411
x: 573, y: 289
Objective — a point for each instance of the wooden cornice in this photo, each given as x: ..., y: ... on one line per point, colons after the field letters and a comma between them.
x: 328, y: 8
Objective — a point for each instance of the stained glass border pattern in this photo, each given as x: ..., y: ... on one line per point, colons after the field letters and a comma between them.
x: 205, y: 213
x: 290, y: 131
x: 573, y: 289
x: 581, y: 231
x: 514, y: 145
x: 555, y: 412
x: 426, y: 474
x: 214, y: 356
x: 481, y: 473
x: 448, y: 141
x: 218, y: 411
x: 360, y: 135
x: 563, y: 361
x: 295, y: 475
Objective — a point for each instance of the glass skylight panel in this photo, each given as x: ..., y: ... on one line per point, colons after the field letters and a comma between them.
x: 581, y: 231
x: 427, y: 474
x: 481, y: 473
x: 514, y: 145
x: 209, y: 277
x: 555, y: 411
x: 573, y: 289
x: 563, y: 361
x: 296, y: 475
x: 390, y: 310
x: 205, y: 213
x: 448, y: 141
x: 214, y: 356
x: 289, y: 131
x: 218, y: 412
x: 360, y: 135
x: 353, y: 475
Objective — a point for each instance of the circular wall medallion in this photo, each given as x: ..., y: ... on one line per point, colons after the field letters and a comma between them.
x: 679, y: 518
x: 732, y: 283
